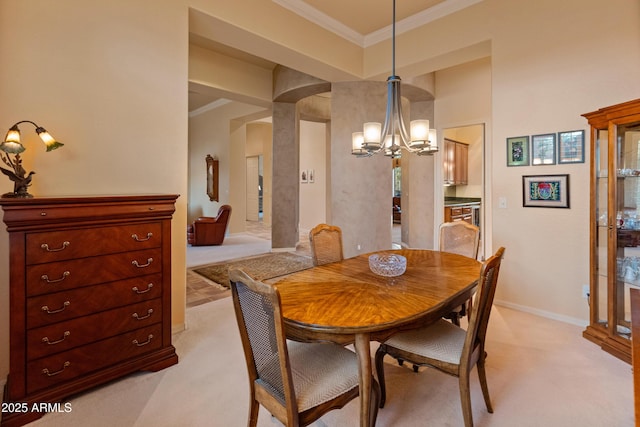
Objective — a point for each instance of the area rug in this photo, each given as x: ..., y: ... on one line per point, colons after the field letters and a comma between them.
x: 260, y: 267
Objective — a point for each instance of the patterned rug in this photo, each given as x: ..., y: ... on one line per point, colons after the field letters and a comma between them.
x: 260, y: 267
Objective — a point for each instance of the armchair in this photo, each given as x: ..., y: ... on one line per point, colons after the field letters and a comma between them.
x: 207, y: 231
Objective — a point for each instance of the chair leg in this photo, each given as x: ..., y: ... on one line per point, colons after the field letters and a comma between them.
x: 375, y: 402
x: 379, y: 362
x: 455, y: 319
x: 465, y: 399
x: 254, y: 407
x: 483, y: 384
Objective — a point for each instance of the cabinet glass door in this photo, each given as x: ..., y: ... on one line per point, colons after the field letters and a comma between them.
x: 605, y: 222
x: 627, y: 140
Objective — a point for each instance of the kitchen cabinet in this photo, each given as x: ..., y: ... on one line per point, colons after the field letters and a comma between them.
x: 614, y: 225
x: 458, y: 213
x: 456, y: 162
x: 89, y: 294
x: 462, y: 209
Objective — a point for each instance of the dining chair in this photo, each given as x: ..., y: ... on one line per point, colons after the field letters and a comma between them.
x: 460, y: 238
x: 296, y: 382
x: 326, y: 244
x: 448, y: 347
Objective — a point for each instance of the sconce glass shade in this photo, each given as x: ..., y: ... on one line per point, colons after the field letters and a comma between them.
x: 11, y: 143
x: 48, y: 140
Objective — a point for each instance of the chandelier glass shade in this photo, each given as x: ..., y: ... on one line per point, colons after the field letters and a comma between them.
x: 393, y: 136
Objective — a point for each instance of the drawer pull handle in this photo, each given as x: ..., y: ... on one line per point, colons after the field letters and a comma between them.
x: 137, y: 239
x: 138, y: 291
x: 64, y: 336
x: 64, y: 305
x: 149, y: 261
x: 140, y: 344
x: 63, y: 247
x: 64, y: 276
x: 138, y: 317
x: 53, y: 374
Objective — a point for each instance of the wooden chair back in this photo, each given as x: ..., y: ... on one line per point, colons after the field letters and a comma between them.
x: 479, y: 317
x: 326, y: 244
x: 259, y: 317
x: 460, y: 237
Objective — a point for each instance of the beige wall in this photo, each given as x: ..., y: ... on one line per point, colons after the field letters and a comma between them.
x: 313, y: 142
x: 209, y: 133
x: 542, y: 81
x: 108, y: 79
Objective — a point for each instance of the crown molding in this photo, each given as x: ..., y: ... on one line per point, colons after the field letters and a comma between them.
x: 312, y: 14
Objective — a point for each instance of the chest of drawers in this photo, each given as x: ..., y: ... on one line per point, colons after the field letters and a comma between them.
x: 90, y: 294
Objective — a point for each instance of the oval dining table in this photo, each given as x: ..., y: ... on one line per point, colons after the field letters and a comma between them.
x: 345, y: 302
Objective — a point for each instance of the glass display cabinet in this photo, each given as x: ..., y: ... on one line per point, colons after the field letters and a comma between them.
x: 614, y: 225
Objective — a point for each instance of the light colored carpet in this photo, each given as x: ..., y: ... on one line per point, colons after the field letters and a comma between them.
x: 234, y: 246
x: 540, y: 373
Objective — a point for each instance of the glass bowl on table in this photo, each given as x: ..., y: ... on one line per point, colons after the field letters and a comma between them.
x: 388, y: 265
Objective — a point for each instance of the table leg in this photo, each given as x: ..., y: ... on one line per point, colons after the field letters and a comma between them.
x: 364, y: 357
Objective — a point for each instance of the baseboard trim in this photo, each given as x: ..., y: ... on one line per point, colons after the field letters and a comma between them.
x: 543, y: 313
x: 180, y: 327
x: 283, y: 249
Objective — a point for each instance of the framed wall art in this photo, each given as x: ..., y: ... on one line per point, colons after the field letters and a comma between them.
x: 518, y: 151
x: 571, y: 146
x: 304, y: 176
x: 543, y: 149
x: 212, y: 177
x: 545, y: 191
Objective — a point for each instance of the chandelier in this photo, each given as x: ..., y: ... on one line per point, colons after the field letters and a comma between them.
x: 393, y: 136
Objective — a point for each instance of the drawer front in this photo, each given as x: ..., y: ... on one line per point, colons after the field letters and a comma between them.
x: 66, y: 335
x: 69, y: 244
x: 59, y: 368
x: 51, y: 308
x: 466, y: 210
x: 63, y: 275
x: 456, y: 211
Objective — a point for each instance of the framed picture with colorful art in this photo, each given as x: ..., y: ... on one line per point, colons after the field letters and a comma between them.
x: 545, y: 191
x: 518, y: 151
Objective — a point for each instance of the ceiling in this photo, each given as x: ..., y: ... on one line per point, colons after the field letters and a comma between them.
x: 361, y: 21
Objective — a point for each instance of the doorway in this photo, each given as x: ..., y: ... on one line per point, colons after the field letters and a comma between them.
x: 254, y: 188
x: 474, y: 189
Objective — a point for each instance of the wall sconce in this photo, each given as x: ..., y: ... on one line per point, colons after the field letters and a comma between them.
x: 10, y: 150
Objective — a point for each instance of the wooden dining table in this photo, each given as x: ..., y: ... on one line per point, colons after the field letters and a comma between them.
x: 345, y: 302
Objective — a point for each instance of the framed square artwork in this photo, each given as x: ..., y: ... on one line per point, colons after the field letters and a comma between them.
x: 543, y: 149
x: 518, y: 151
x: 571, y: 146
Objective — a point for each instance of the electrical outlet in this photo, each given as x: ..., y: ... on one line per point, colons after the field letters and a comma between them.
x: 585, y: 291
x: 358, y: 247
x: 502, y: 202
